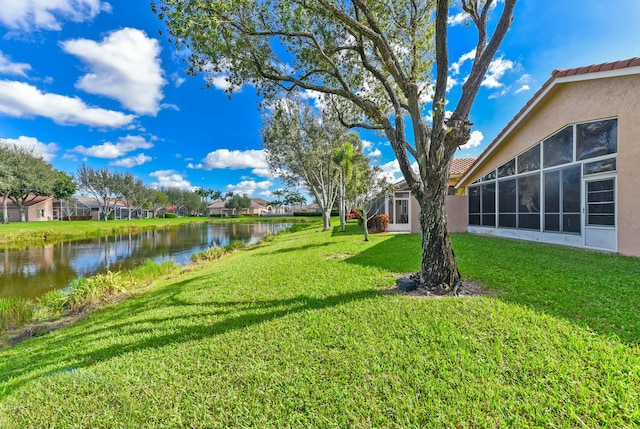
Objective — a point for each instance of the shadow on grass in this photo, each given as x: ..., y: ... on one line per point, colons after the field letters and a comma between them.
x: 594, y: 290
x: 302, y: 248
x: 51, y: 356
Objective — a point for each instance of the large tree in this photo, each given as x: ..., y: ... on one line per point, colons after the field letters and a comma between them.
x: 24, y: 176
x: 299, y: 143
x: 374, y: 60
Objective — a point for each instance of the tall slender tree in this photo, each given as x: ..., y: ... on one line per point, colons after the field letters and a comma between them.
x: 374, y: 61
x: 299, y: 142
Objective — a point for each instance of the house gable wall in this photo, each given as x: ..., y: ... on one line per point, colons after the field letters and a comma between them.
x: 581, y: 101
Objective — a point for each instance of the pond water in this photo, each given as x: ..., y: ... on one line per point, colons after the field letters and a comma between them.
x: 33, y: 271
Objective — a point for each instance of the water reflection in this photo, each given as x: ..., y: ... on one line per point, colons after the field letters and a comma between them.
x: 33, y: 271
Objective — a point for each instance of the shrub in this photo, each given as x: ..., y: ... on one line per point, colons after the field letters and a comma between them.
x: 211, y: 254
x: 307, y: 214
x: 379, y: 222
x: 94, y: 289
x: 15, y: 312
x: 170, y: 215
x: 267, y: 238
x: 52, y: 304
x: 233, y: 245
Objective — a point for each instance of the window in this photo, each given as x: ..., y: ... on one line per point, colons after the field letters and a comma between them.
x: 601, y: 202
x: 489, y: 204
x: 552, y: 201
x: 507, y: 169
x: 529, y: 160
x: 596, y: 139
x: 529, y: 202
x: 571, y: 199
x: 541, y: 189
x: 474, y: 205
x: 558, y: 149
x: 507, y: 203
x: 601, y: 166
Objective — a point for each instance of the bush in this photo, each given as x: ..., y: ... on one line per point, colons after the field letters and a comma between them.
x: 211, y: 254
x: 52, y: 304
x: 78, y: 217
x: 94, y: 289
x: 235, y: 244
x: 15, y: 312
x: 307, y: 214
x: 379, y: 222
x: 170, y: 215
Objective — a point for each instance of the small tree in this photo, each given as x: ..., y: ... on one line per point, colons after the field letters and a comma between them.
x: 159, y: 200
x: 63, y: 190
x: 237, y: 202
x: 299, y: 142
x: 103, y: 185
x: 369, y: 185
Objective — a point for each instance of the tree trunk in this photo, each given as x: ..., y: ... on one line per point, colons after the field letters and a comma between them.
x: 326, y: 219
x: 365, y: 224
x: 342, y: 206
x: 23, y: 216
x: 439, y: 271
x: 5, y: 214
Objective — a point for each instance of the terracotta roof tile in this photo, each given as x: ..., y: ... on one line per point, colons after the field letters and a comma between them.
x: 460, y: 165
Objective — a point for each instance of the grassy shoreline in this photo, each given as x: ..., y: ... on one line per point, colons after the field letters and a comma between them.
x: 299, y: 332
x: 20, y: 234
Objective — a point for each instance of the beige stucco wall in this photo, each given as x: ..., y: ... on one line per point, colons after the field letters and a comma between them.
x: 457, y: 218
x: 456, y: 209
x: 586, y: 101
x: 32, y: 213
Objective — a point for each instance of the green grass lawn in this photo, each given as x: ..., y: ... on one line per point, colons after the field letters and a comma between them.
x: 299, y: 333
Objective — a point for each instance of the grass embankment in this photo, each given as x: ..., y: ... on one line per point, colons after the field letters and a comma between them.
x: 297, y: 333
x: 18, y: 234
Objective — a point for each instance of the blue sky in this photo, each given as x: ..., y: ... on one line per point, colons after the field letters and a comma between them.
x: 92, y: 81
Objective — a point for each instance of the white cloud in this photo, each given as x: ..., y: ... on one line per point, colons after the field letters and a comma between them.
x: 46, y: 150
x: 27, y: 15
x: 20, y: 100
x: 125, y: 66
x: 235, y: 160
x: 8, y: 67
x: 458, y: 19
x: 474, y: 141
x: 132, y: 161
x: 497, y: 69
x: 522, y: 89
x: 249, y: 187
x: 455, y: 67
x: 220, y: 81
x: 318, y: 98
x: 177, y: 80
x: 169, y: 179
x: 391, y: 170
x: 110, y: 150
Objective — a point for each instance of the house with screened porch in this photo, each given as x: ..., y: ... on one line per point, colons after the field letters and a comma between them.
x: 565, y: 169
x: 403, y: 208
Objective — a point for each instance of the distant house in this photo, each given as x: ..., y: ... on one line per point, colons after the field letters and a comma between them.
x: 404, y: 210
x: 257, y: 207
x: 564, y: 170
x: 37, y: 209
